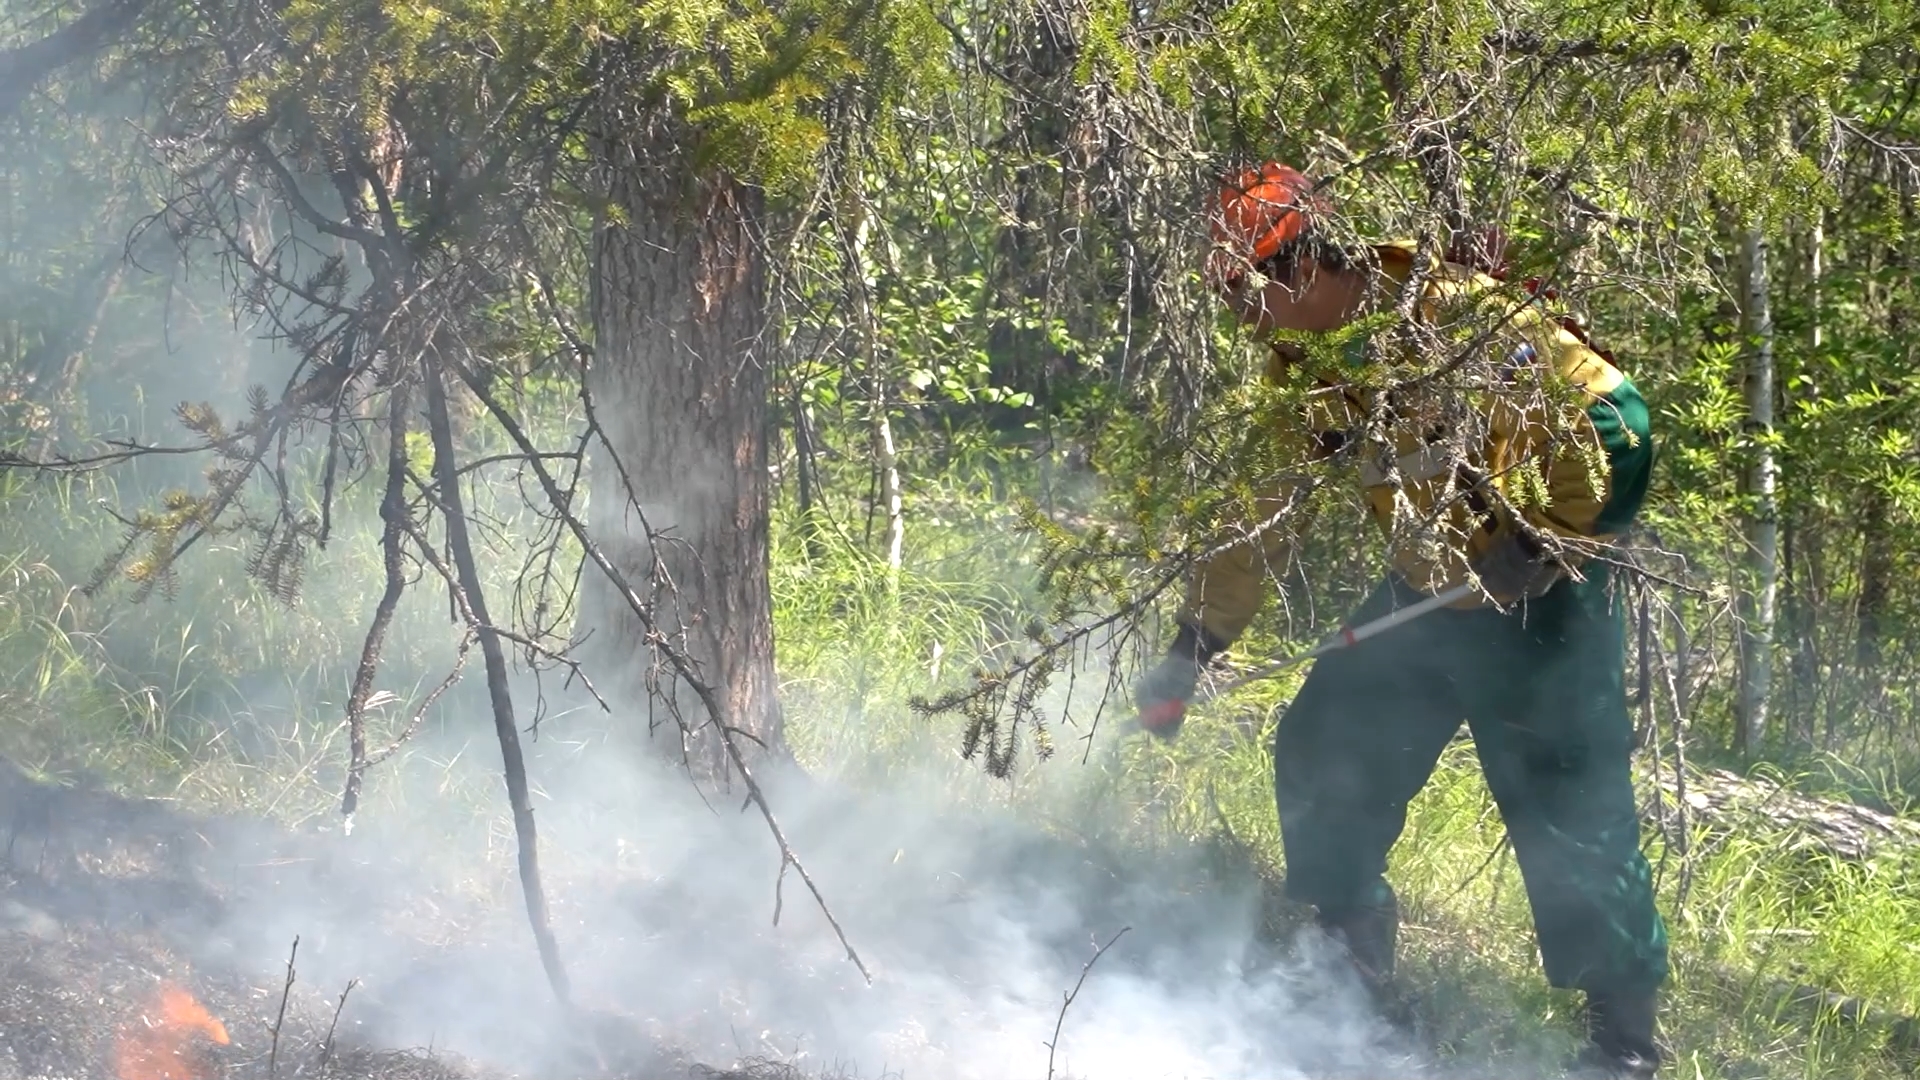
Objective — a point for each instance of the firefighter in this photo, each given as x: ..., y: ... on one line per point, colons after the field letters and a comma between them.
x: 1532, y: 661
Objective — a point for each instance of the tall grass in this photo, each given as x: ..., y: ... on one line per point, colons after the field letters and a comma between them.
x: 216, y: 692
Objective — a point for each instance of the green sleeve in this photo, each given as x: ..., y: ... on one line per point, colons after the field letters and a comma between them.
x: 1620, y: 417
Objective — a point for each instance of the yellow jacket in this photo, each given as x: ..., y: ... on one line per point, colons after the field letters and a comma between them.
x: 1567, y: 442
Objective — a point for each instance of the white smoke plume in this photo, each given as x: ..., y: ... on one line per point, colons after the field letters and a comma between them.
x: 973, y: 919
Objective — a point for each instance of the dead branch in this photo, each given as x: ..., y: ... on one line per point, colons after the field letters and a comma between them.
x: 1726, y: 802
x: 256, y: 150
x: 1538, y: 46
x: 535, y: 650
x: 286, y: 990
x: 440, y: 428
x: 987, y: 699
x: 681, y: 664
x: 1019, y: 684
x: 22, y: 68
x: 419, y: 714
x: 1053, y: 1046
x: 393, y: 511
x: 1813, y: 1004
x: 326, y: 1045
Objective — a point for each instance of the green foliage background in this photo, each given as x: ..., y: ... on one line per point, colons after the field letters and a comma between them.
x: 1014, y: 191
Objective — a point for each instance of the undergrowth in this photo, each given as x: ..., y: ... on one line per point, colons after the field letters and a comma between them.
x: 228, y: 699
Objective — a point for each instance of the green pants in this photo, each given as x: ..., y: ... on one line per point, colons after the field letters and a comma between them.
x: 1542, y: 691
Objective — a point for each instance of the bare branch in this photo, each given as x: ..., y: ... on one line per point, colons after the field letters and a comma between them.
x: 513, y: 763
x: 1539, y: 46
x: 22, y: 67
x: 681, y: 664
x: 413, y: 723
x: 393, y: 511
x: 1054, y: 1044
x: 262, y: 155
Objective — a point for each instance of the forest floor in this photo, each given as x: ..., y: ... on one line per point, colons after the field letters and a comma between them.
x: 110, y: 904
x: 106, y: 902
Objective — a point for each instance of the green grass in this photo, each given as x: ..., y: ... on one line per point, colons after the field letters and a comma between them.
x: 222, y: 697
x: 141, y: 696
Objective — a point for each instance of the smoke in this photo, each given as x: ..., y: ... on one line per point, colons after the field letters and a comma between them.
x: 975, y: 903
x: 973, y: 918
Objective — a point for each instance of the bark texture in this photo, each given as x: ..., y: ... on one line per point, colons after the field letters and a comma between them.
x: 679, y: 386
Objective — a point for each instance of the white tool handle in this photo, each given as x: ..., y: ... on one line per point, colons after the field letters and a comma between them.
x: 1351, y: 635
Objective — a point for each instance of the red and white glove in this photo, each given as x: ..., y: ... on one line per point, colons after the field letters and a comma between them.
x: 1161, y: 696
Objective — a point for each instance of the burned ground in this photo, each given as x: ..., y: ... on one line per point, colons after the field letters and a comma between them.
x: 70, y: 985
x: 104, y: 900
x: 973, y: 933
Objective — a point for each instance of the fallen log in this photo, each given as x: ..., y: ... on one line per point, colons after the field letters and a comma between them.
x: 1723, y: 801
x: 1720, y: 802
x: 1809, y: 1005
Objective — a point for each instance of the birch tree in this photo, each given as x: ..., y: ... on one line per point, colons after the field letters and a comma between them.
x: 1761, y: 585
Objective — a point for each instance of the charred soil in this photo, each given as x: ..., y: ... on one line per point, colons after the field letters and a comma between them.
x: 114, y: 963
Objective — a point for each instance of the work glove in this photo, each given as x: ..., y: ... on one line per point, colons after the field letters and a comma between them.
x: 1161, y: 696
x: 1513, y: 568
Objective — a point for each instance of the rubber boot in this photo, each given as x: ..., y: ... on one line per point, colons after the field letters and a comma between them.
x: 1620, y: 1034
x: 1369, y: 935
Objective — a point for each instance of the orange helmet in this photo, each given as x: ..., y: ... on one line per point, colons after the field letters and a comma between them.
x: 1261, y: 211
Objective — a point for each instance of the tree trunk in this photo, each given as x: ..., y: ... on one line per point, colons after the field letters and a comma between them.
x: 1876, y: 539
x: 1037, y: 51
x: 1762, y: 524
x: 1803, y: 541
x: 1876, y: 586
x: 680, y: 390
x: 886, y: 462
x: 803, y: 468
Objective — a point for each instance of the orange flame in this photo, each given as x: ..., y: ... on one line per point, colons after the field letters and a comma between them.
x: 159, y: 1044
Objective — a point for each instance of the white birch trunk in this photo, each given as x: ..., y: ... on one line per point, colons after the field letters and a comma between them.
x: 1760, y: 592
x: 886, y: 460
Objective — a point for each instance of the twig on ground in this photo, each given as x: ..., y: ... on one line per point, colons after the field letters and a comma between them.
x: 326, y: 1045
x: 286, y: 990
x: 1060, y: 1021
